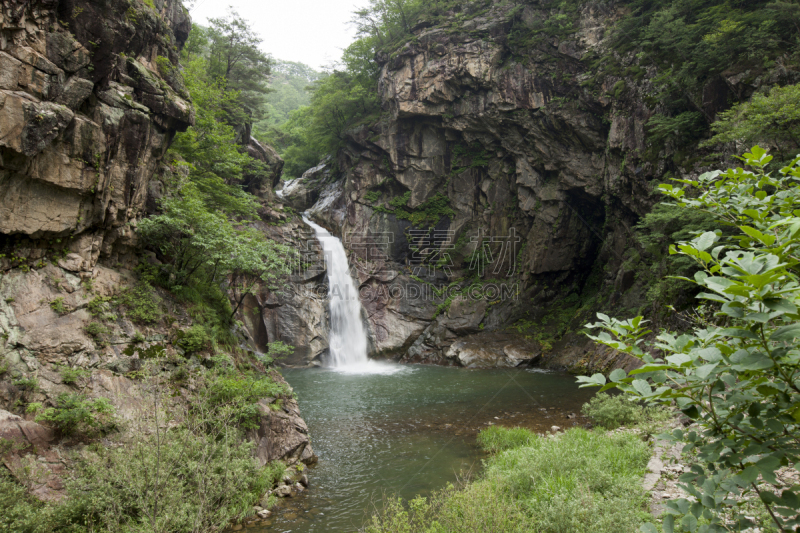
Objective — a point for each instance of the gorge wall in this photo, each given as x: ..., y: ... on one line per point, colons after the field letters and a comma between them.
x: 91, y: 96
x: 478, y: 147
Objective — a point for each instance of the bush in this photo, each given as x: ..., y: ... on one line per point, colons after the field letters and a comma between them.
x: 178, y: 481
x: 238, y: 395
x: 735, y: 373
x: 142, y: 304
x: 612, y: 412
x: 58, y: 306
x: 193, y: 339
x: 74, y: 414
x: 174, y: 482
x: 98, y: 332
x: 19, y: 512
x: 70, y: 376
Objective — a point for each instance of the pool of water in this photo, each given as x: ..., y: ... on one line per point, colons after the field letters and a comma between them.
x: 407, y: 430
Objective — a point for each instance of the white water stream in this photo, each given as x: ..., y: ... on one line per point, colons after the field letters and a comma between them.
x: 347, y: 338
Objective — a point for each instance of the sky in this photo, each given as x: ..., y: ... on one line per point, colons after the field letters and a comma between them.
x: 313, y: 32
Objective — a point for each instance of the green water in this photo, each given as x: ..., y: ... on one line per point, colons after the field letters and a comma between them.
x: 408, y: 433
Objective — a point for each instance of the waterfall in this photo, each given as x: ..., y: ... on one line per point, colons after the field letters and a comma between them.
x: 347, y: 339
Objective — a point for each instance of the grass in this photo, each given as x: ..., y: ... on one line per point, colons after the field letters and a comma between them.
x: 576, y: 482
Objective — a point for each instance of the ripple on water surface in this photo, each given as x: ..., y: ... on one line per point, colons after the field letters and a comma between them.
x: 383, y: 429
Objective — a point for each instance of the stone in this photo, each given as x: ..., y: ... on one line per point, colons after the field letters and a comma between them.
x: 555, y: 429
x: 72, y: 262
x: 75, y: 92
x: 283, y: 491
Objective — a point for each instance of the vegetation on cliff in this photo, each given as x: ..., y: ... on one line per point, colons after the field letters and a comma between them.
x: 689, y: 42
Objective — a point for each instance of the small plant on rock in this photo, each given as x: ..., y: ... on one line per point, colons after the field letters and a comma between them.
x: 59, y: 306
x: 76, y: 414
x: 70, y: 376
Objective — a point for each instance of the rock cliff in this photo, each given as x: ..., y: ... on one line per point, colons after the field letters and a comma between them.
x: 91, y: 96
x: 495, y: 170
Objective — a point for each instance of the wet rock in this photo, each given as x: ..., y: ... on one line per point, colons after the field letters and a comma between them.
x: 283, y: 491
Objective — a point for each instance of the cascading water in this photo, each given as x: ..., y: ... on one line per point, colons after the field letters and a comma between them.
x: 347, y: 339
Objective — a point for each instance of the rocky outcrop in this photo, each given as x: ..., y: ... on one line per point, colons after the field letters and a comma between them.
x: 491, y: 166
x: 90, y: 96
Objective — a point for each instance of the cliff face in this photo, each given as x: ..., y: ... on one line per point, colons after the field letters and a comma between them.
x: 91, y: 96
x: 503, y: 148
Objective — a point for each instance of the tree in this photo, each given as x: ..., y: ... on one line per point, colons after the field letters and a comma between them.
x: 737, y: 374
x: 772, y: 117
x: 234, y: 56
x: 204, y: 245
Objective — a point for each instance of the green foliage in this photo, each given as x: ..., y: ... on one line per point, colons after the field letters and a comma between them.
x: 289, y: 83
x: 275, y: 351
x: 772, y: 118
x: 205, y: 246
x: 235, y: 58
x: 141, y: 302
x: 612, y: 412
x: 70, y: 376
x: 19, y: 511
x: 496, y: 439
x: 339, y: 103
x: 98, y: 332
x: 684, y: 128
x: 216, y: 163
x: 194, y: 339
x: 736, y: 374
x: 666, y: 224
x: 29, y: 384
x: 59, y: 306
x: 580, y: 482
x: 74, y: 413
x: 239, y: 394
x: 427, y: 214
x: 180, y: 480
x: 99, y: 306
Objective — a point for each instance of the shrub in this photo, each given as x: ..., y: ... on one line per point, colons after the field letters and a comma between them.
x: 99, y: 307
x: 74, y: 414
x: 193, y: 339
x: 276, y: 350
x: 735, y: 374
x: 58, y: 306
x: 70, y: 376
x: 98, y: 332
x: 142, y: 304
x: 238, y: 395
x: 19, y: 512
x: 612, y: 412
x: 31, y: 384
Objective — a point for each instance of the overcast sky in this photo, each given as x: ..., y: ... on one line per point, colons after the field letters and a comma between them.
x: 310, y: 31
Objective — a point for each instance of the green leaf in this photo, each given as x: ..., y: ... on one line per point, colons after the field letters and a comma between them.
x: 769, y: 240
x: 617, y: 375
x: 642, y: 387
x: 703, y: 371
x: 705, y: 240
x: 786, y: 333
x: 780, y: 304
x: 648, y: 528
